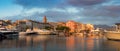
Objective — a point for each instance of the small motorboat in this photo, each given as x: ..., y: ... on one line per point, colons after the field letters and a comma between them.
x: 43, y: 32
x: 9, y: 33
x: 27, y: 32
x: 113, y: 35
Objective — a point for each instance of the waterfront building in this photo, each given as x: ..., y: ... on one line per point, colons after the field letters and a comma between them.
x: 20, y: 25
x: 54, y: 25
x: 8, y: 22
x: 72, y: 25
x: 45, y: 25
x: 5, y: 22
x: 89, y: 27
x: 23, y: 25
x: 61, y: 24
x: 80, y: 27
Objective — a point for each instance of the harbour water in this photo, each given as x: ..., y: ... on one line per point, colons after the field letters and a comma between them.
x: 55, y: 43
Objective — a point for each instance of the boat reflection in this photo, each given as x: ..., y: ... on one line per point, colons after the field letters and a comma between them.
x: 27, y: 41
x: 112, y: 45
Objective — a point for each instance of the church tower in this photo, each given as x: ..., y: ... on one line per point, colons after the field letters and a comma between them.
x: 44, y: 19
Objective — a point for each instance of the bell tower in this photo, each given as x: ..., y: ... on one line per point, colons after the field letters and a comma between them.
x: 44, y: 19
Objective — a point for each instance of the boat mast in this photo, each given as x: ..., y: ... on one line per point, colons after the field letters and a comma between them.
x: 32, y: 26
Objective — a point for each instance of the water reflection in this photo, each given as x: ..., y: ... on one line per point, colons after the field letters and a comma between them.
x: 112, y: 45
x: 70, y: 43
x: 55, y: 43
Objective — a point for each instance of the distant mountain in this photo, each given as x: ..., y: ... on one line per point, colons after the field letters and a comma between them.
x: 106, y: 27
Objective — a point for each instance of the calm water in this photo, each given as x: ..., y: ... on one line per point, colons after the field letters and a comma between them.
x: 55, y: 43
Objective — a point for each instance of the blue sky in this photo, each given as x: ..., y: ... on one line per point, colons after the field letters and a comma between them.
x: 85, y: 11
x: 8, y: 8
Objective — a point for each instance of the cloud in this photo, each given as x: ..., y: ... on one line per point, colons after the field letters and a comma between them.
x: 57, y: 3
x: 113, y: 8
x: 52, y: 14
x: 99, y: 20
x: 27, y: 12
x: 38, y: 3
x: 56, y: 15
x: 112, y: 2
x: 85, y: 2
x: 102, y: 11
x: 96, y: 12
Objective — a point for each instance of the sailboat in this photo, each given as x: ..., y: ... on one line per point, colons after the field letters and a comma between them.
x: 43, y: 31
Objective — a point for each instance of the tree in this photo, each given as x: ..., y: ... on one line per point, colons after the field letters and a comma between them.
x: 48, y: 28
x: 63, y: 28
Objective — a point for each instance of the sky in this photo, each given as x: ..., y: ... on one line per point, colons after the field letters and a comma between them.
x: 105, y: 12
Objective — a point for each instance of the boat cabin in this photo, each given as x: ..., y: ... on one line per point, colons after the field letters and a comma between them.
x: 117, y: 26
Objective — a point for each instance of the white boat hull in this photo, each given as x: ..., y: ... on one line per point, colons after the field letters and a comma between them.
x: 44, y: 33
x: 113, y: 35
